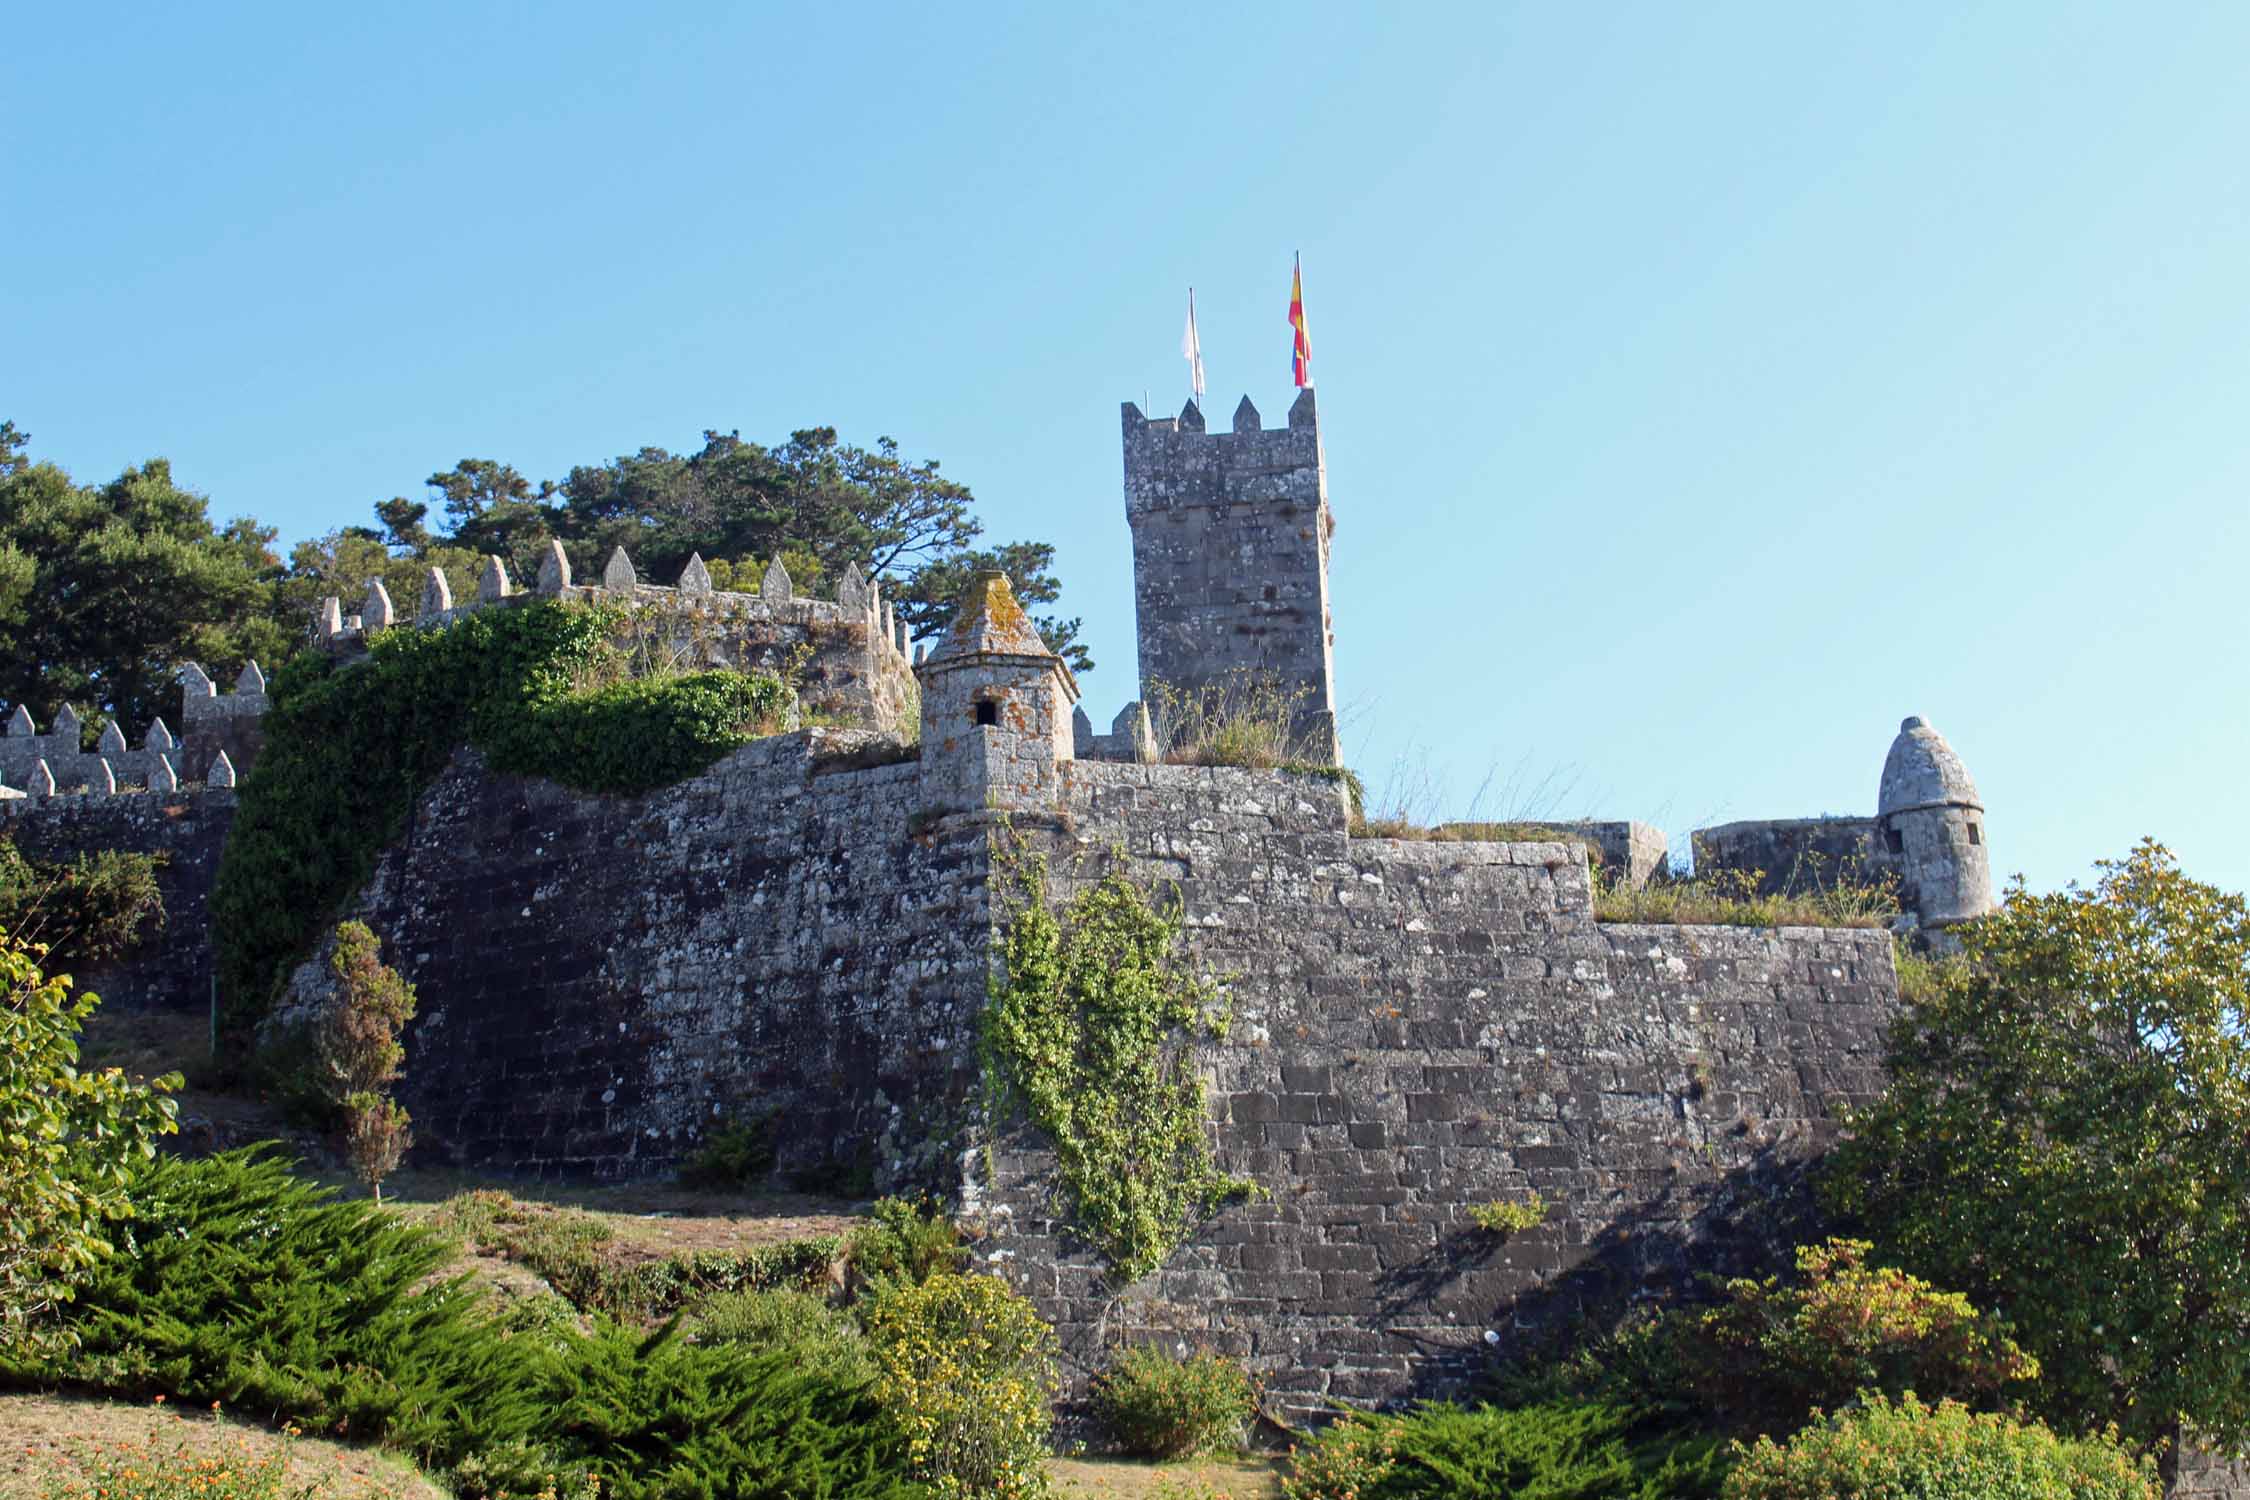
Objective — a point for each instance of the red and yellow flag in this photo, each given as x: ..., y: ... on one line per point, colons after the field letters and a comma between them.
x: 1300, y: 361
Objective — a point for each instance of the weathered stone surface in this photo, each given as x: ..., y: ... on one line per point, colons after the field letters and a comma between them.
x: 1230, y: 559
x: 554, y: 570
x: 492, y: 582
x: 437, y: 597
x: 376, y: 611
x: 775, y: 585
x: 170, y: 969
x: 695, y: 578
x: 618, y: 576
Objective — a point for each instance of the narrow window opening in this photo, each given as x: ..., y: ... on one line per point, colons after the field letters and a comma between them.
x: 1894, y: 841
x: 1975, y: 837
x: 988, y: 713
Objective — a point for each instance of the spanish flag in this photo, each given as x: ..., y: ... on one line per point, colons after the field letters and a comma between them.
x: 1300, y: 362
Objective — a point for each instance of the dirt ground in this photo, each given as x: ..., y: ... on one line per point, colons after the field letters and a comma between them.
x: 39, y: 1435
x: 1204, y: 1479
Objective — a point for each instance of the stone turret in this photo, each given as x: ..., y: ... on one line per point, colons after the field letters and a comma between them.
x: 1931, y: 823
x: 996, y: 709
x: 1230, y: 557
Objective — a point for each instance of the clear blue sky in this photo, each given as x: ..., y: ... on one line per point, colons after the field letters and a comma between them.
x: 1705, y: 387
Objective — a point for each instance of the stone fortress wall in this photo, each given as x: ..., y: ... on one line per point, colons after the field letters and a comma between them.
x: 804, y: 933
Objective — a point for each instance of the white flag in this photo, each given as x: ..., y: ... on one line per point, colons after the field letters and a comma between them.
x: 1191, y: 349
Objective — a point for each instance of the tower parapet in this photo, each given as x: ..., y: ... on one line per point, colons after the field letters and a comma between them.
x: 1230, y: 558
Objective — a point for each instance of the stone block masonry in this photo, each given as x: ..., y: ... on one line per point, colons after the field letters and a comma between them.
x: 1420, y: 1027
x: 171, y: 968
x: 605, y: 980
x: 1230, y: 557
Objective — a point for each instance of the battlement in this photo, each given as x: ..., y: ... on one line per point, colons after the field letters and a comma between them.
x: 858, y: 660
x: 1177, y: 461
x: 35, y: 766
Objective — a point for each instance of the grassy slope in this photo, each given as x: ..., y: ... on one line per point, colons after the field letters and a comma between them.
x: 39, y: 1434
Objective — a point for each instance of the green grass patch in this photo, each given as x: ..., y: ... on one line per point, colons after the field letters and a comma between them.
x: 1731, y: 898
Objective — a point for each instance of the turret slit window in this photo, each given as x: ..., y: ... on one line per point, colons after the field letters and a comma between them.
x: 1975, y: 837
x: 1894, y: 841
x: 988, y: 712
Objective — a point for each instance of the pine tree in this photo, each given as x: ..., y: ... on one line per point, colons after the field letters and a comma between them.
x: 360, y: 1050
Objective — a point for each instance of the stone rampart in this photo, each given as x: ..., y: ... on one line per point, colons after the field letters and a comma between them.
x: 1788, y: 856
x: 604, y: 980
x: 1419, y: 1027
x: 169, y: 969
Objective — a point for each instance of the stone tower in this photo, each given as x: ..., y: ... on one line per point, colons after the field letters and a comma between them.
x: 996, y: 709
x: 1230, y: 557
x: 1931, y: 823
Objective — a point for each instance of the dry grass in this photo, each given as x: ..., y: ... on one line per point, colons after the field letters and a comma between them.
x: 1730, y: 898
x: 40, y: 1435
x: 1195, y: 1479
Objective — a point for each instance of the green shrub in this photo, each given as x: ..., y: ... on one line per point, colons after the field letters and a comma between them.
x: 968, y: 1374
x: 1774, y: 1350
x: 244, y: 1285
x: 1157, y: 1405
x: 1243, y: 718
x: 349, y: 747
x: 84, y: 910
x: 737, y: 1155
x: 1943, y: 1452
x: 1580, y: 1450
x: 817, y: 1336
x: 905, y: 1242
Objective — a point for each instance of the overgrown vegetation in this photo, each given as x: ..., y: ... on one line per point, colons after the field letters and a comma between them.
x: 904, y: 1242
x: 84, y: 911
x: 350, y: 748
x: 817, y: 1335
x: 246, y: 1285
x: 1772, y: 1351
x: 1731, y: 898
x: 1905, y: 1448
x: 1155, y: 1404
x: 736, y: 1156
x: 2067, y: 1135
x: 1502, y: 1218
x: 1587, y: 1450
x: 69, y: 1142
x: 1087, y: 1031
x: 968, y: 1370
x: 1242, y: 718
x: 565, y: 1248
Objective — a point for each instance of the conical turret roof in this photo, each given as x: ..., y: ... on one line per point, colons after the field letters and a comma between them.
x: 1923, y: 771
x: 990, y: 620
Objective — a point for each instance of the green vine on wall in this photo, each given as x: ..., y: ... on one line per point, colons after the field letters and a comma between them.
x: 542, y: 690
x: 1089, y: 1032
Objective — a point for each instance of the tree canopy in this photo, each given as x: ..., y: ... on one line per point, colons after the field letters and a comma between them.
x: 105, y: 591
x: 2067, y: 1140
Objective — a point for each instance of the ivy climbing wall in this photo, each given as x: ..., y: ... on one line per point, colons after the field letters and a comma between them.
x: 1418, y: 1028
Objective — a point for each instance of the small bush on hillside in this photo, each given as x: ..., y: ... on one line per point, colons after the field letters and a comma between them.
x: 359, y: 1047
x: 1583, y: 1450
x: 1775, y: 1350
x: 738, y: 1155
x: 1908, y: 1449
x: 83, y: 911
x: 70, y: 1139
x: 905, y: 1242
x: 817, y: 1336
x: 968, y: 1373
x: 1157, y: 1405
